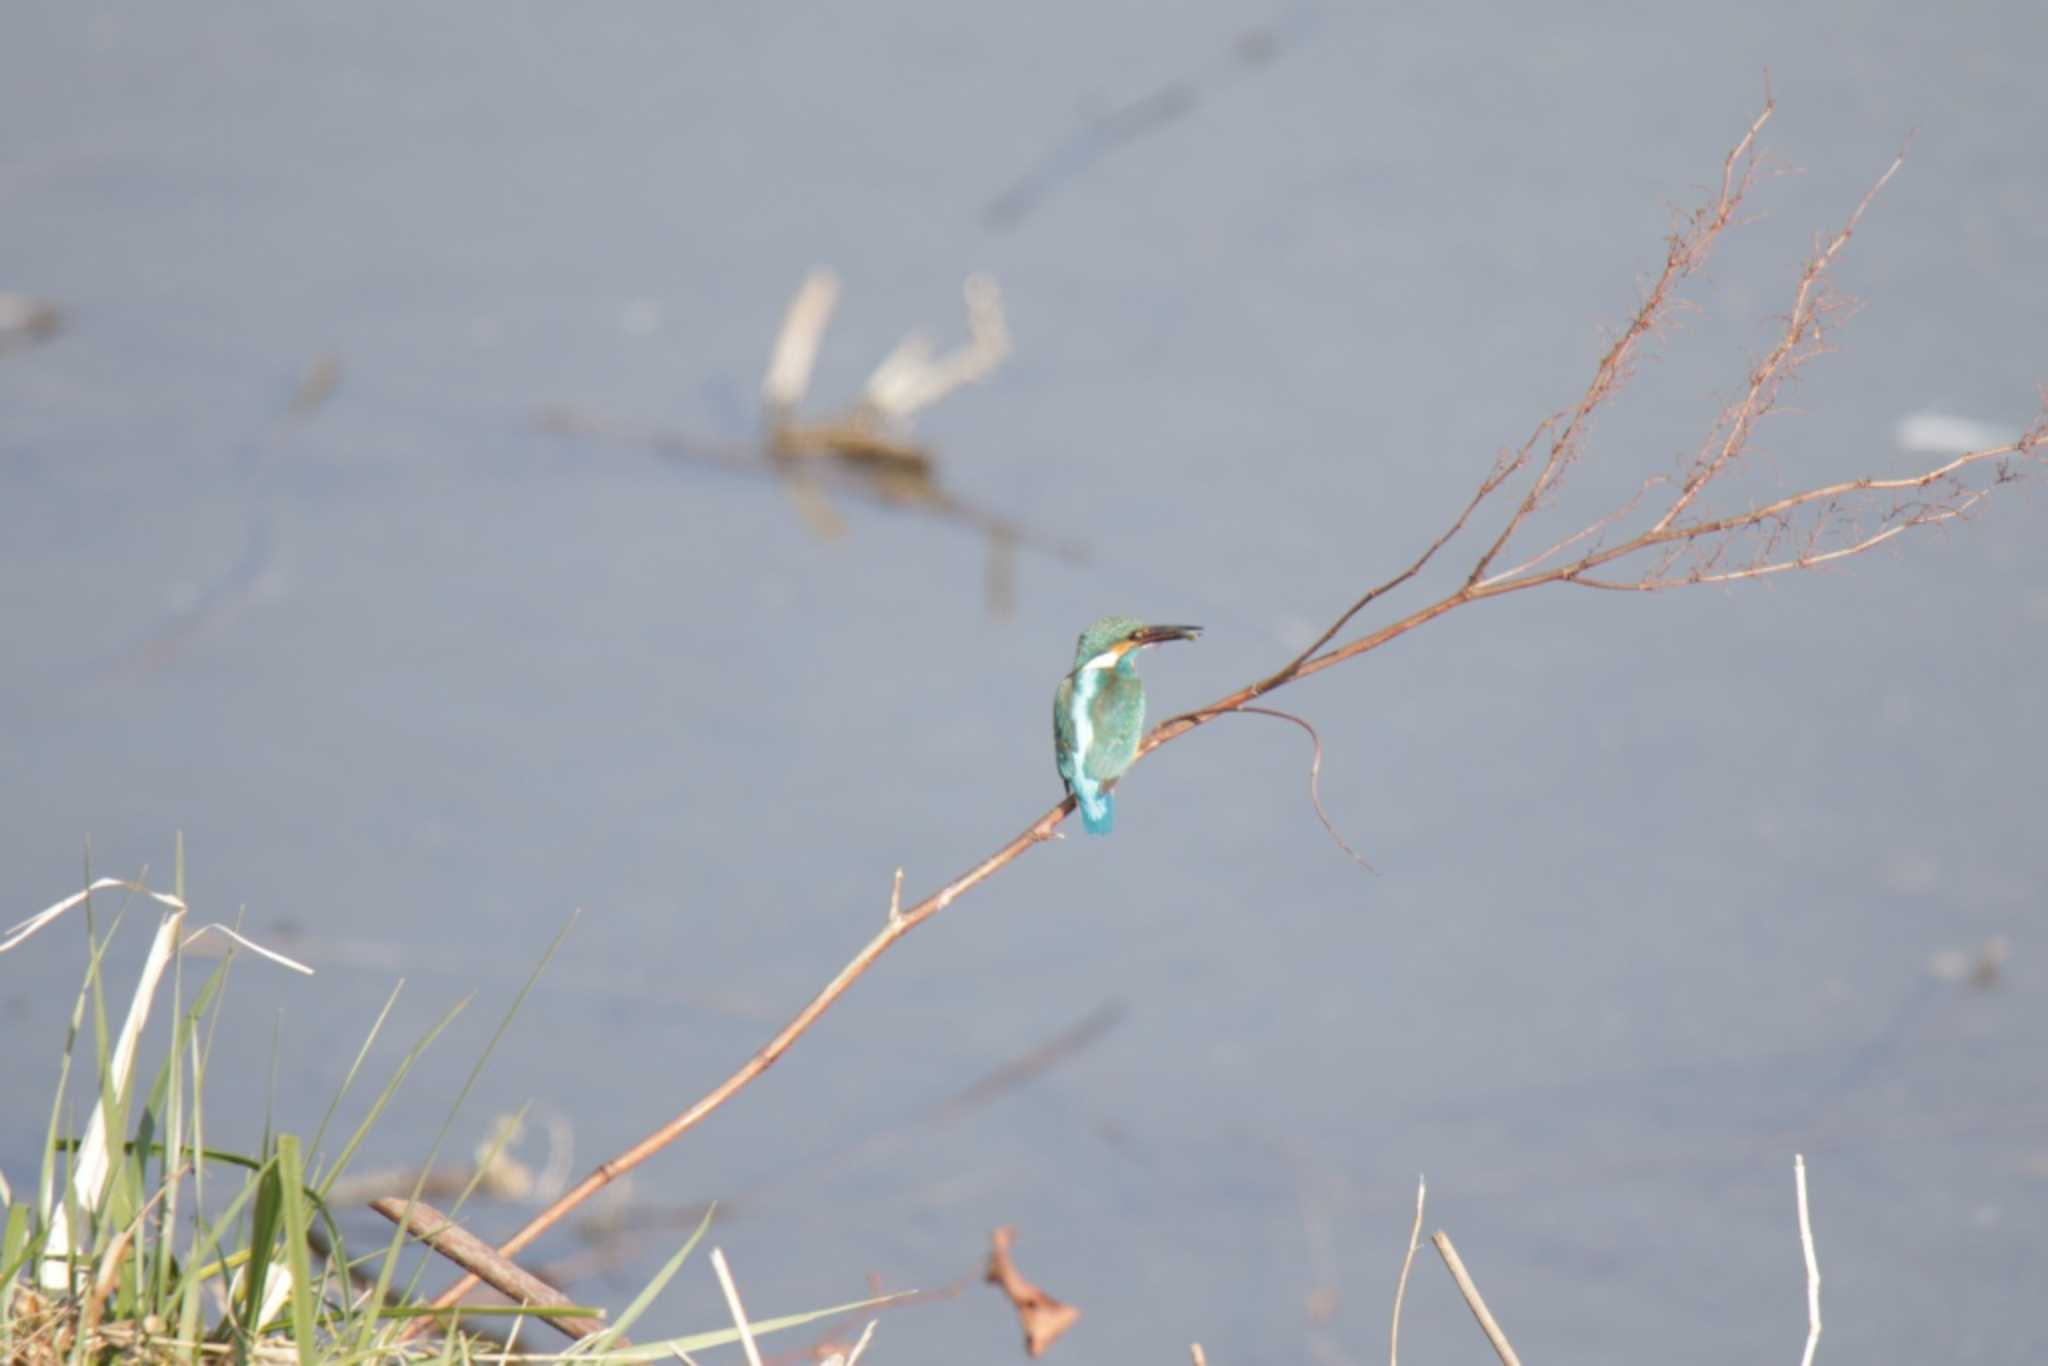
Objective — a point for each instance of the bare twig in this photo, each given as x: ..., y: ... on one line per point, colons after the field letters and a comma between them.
x: 1499, y: 475
x: 1473, y: 1301
x: 1801, y: 338
x: 1315, y: 778
x: 1812, y: 1261
x: 1686, y: 251
x: 482, y: 1262
x: 1681, y: 549
x: 1401, y: 1286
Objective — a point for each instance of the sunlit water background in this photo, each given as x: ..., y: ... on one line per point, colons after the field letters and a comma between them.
x: 1661, y: 880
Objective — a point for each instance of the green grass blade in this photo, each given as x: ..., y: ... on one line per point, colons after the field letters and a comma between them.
x: 170, y: 1162
x: 291, y: 1187
x: 384, y: 1097
x: 455, y: 1109
x: 348, y: 1081
x: 14, y: 1244
x: 199, y: 1260
x: 641, y: 1302
x: 265, y: 1216
x: 389, y: 1266
x: 494, y: 1311
x: 704, y: 1342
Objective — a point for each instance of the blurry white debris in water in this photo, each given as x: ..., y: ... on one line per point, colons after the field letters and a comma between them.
x: 1980, y: 965
x: 640, y: 317
x: 1947, y: 434
x: 796, y: 344
x: 910, y: 377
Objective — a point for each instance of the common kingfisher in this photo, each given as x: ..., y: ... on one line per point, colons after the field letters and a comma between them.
x: 1098, y: 714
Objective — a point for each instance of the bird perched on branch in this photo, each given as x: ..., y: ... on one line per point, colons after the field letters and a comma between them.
x: 1098, y: 714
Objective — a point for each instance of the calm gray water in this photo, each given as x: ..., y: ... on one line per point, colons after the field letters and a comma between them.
x: 1661, y: 879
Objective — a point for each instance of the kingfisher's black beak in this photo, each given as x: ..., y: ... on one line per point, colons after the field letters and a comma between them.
x: 1159, y: 635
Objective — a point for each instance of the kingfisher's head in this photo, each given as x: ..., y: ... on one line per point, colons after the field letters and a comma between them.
x: 1106, y: 643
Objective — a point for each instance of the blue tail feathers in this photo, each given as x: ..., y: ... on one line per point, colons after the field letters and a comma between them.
x: 1098, y: 817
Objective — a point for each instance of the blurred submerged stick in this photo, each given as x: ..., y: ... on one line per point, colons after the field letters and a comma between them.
x: 867, y: 449
x: 1100, y: 137
x: 25, y: 322
x: 1681, y: 546
x: 254, y: 577
x: 614, y: 1240
x: 496, y: 1174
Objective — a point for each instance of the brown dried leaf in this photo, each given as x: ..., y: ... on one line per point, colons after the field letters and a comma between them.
x: 1044, y: 1318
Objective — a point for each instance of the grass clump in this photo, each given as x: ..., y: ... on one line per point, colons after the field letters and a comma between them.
x: 142, y: 1241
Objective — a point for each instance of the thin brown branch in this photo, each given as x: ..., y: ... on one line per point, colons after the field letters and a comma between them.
x: 1683, y: 552
x: 1590, y: 531
x: 1686, y: 251
x: 1038, y: 832
x: 1503, y: 469
x: 1953, y: 498
x: 1800, y: 340
x: 1315, y: 778
x: 1473, y: 1300
x: 483, y: 1263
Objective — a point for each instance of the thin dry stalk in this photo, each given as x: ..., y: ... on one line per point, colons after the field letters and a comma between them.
x: 1812, y: 1261
x: 1473, y: 1300
x: 479, y: 1259
x: 1678, y: 548
x: 1407, y: 1264
x: 732, y: 1303
x: 108, y: 1276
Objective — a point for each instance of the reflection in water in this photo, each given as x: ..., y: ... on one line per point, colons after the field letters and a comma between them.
x: 24, y: 322
x: 1109, y: 132
x: 254, y: 576
x: 504, y: 697
x: 866, y: 449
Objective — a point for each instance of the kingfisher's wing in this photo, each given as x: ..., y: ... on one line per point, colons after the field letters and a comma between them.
x: 1117, y: 715
x: 1063, y: 728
